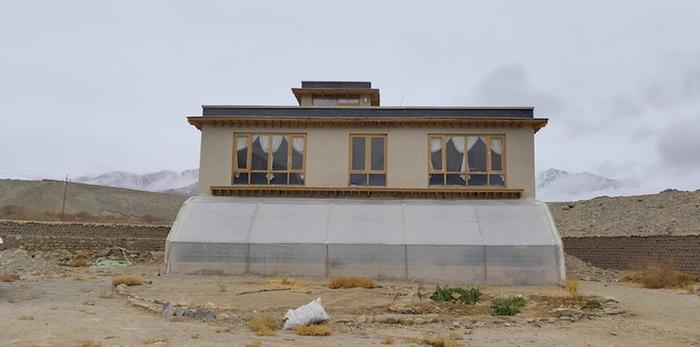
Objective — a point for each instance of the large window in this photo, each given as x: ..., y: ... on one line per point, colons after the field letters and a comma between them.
x: 367, y: 160
x: 471, y: 160
x: 269, y: 158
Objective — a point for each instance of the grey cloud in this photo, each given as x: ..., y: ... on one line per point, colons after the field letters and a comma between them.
x: 679, y: 145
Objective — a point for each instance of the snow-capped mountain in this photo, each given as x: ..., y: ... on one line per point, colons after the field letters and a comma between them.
x: 554, y: 184
x: 154, y: 181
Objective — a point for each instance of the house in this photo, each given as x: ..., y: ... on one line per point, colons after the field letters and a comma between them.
x: 339, y: 185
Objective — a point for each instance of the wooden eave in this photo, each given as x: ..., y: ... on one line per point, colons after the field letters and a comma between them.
x: 366, y: 122
x: 338, y: 92
x: 367, y: 192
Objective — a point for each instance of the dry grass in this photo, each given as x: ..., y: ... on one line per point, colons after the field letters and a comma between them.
x: 91, y: 344
x: 264, y: 325
x: 351, y: 282
x: 312, y: 330
x: 26, y: 318
x: 660, y: 276
x: 388, y: 340
x: 8, y: 277
x: 287, y: 282
x: 456, y: 335
x: 253, y: 344
x: 571, y: 286
x: 155, y: 340
x: 433, y: 341
x: 128, y: 280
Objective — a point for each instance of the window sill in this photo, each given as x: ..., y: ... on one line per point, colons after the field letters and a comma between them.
x: 368, y: 192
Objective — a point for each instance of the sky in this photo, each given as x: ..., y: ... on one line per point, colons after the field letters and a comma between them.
x: 93, y: 86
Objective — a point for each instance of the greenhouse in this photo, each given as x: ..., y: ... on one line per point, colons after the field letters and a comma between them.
x: 461, y: 241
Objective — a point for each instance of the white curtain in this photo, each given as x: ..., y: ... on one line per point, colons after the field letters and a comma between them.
x: 242, y: 143
x: 435, y: 144
x: 496, y: 145
x: 276, y: 142
x: 458, y: 142
x: 471, y: 141
x: 298, y: 144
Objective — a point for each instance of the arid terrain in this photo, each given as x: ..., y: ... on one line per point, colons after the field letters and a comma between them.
x: 52, y: 304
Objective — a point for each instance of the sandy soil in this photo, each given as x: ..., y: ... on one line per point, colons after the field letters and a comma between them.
x: 80, y: 305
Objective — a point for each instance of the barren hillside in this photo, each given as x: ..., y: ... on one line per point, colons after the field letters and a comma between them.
x: 670, y: 212
x: 41, y: 200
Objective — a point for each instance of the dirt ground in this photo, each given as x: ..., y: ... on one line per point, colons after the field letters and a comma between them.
x: 78, y: 305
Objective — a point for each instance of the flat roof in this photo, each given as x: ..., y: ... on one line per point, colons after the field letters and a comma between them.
x: 336, y: 84
x: 369, y: 112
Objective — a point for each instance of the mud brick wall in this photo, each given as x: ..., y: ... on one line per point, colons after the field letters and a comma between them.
x: 82, y: 236
x: 630, y: 252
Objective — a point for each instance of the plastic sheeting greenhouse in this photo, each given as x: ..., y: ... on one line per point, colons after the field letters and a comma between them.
x: 459, y: 241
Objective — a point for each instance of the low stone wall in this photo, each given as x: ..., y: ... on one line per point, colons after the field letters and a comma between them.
x: 89, y: 237
x: 624, y: 252
x: 630, y: 252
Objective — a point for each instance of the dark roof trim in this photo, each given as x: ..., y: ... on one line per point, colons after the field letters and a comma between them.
x: 336, y: 84
x: 368, y: 112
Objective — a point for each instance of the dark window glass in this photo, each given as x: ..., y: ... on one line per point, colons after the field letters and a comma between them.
x: 453, y: 157
x: 240, y: 178
x: 455, y: 180
x: 477, y: 180
x: 324, y: 102
x: 259, y: 156
x: 437, y: 179
x: 298, y: 153
x: 377, y: 179
x: 477, y: 155
x: 377, y: 153
x: 496, y: 180
x: 358, y: 153
x: 279, y: 157
x: 258, y: 178
x: 278, y: 178
x: 296, y: 178
x: 358, y: 179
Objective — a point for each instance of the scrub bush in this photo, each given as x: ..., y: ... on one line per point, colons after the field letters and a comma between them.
x: 507, y: 306
x: 456, y: 294
x: 351, y: 282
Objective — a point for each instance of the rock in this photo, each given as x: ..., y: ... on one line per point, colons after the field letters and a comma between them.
x: 609, y: 299
x: 565, y: 312
x: 407, y: 321
x: 232, y: 318
x: 614, y: 311
x: 418, y: 320
x: 343, y: 321
x: 168, y: 310
x: 189, y: 313
x: 210, y: 315
x: 179, y: 311
x: 248, y: 317
x: 613, y: 333
x: 199, y: 313
x: 388, y: 318
x: 361, y: 319
x: 456, y: 324
x: 209, y: 306
x: 122, y: 289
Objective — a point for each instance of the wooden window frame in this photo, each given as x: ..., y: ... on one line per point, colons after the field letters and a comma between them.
x: 368, y: 159
x: 467, y: 172
x: 269, y: 171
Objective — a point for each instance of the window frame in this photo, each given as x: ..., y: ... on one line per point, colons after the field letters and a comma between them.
x: 467, y: 172
x: 268, y: 171
x: 368, y: 159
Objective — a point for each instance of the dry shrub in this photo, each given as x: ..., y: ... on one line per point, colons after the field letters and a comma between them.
x: 8, y: 277
x: 26, y: 318
x: 434, y: 341
x: 91, y: 344
x: 351, y: 282
x: 571, y: 286
x: 286, y: 282
x: 388, y: 340
x: 660, y: 276
x: 253, y: 344
x: 264, y: 325
x: 128, y: 280
x: 312, y: 330
x: 78, y: 262
x: 155, y: 340
x: 82, y: 254
x: 456, y: 335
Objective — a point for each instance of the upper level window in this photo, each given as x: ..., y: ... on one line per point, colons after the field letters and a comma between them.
x: 367, y: 160
x: 269, y: 158
x: 319, y: 101
x: 472, y: 160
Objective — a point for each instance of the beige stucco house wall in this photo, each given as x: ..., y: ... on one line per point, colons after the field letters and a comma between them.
x: 327, y: 155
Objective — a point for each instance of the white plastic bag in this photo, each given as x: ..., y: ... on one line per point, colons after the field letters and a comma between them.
x: 307, y: 314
